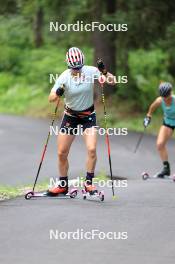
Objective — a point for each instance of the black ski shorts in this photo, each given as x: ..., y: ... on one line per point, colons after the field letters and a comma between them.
x: 69, y: 124
x: 164, y: 124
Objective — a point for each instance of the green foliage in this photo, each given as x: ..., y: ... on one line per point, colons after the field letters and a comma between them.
x: 8, y: 7
x: 148, y: 69
x: 39, y: 63
x: 15, y: 31
x: 6, y: 81
x: 17, y: 99
x: 15, y: 38
x: 168, y: 44
x: 10, y: 58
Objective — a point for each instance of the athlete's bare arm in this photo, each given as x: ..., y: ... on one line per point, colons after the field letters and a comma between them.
x: 53, y: 97
x: 154, y: 106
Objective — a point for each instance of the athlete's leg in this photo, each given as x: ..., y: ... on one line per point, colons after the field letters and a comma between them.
x: 90, y: 138
x: 64, y: 143
x: 164, y: 135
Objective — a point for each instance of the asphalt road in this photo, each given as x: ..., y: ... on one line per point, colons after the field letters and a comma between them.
x: 143, y: 210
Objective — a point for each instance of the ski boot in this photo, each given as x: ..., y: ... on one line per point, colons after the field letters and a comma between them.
x: 91, y: 191
x: 165, y: 171
x: 56, y: 191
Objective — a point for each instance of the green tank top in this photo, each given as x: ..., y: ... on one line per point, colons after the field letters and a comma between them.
x: 169, y: 112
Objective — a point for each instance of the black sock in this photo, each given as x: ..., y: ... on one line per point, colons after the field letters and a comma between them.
x: 89, y: 177
x: 64, y: 182
x: 166, y: 164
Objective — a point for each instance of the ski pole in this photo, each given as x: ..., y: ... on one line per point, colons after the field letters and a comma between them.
x: 107, y: 136
x: 146, y: 122
x: 45, y: 147
x: 140, y: 140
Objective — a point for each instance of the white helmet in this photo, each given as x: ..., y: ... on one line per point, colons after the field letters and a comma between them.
x: 75, y: 58
x: 165, y: 89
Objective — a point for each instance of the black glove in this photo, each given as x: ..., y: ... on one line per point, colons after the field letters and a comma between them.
x: 146, y: 121
x: 60, y: 91
x: 101, y: 66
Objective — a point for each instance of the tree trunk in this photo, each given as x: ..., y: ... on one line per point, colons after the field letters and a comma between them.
x: 38, y: 25
x: 104, y: 42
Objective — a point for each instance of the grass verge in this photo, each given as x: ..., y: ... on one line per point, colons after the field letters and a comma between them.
x: 8, y: 192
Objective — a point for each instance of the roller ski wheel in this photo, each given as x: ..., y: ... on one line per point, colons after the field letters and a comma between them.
x: 71, y: 194
x: 95, y: 194
x: 101, y: 196
x: 145, y: 176
x: 84, y: 194
x: 29, y: 195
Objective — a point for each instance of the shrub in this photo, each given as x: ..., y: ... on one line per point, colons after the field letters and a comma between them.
x: 148, y: 69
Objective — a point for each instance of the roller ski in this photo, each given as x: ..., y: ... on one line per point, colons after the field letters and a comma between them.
x: 56, y: 192
x: 164, y: 174
x: 90, y: 191
x: 147, y: 176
